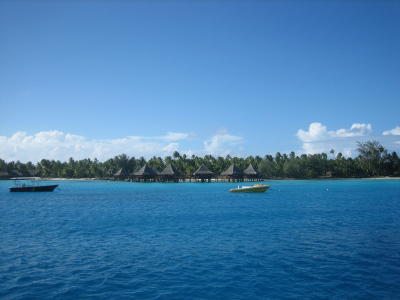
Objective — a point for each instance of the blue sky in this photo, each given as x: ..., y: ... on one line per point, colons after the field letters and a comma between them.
x: 239, y: 77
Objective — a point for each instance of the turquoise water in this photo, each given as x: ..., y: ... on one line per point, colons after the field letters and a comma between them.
x: 113, y: 240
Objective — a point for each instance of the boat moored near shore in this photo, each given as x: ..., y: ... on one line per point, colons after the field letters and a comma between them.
x: 20, y: 185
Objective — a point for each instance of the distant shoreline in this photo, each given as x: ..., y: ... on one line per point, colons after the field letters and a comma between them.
x: 267, y: 179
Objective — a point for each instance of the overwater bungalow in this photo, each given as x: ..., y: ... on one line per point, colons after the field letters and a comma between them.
x: 4, y: 175
x: 121, y: 174
x: 250, y: 173
x: 145, y: 174
x: 203, y: 173
x: 15, y: 173
x: 169, y: 174
x: 233, y: 173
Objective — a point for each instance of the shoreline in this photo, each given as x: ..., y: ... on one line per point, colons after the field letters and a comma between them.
x: 267, y: 179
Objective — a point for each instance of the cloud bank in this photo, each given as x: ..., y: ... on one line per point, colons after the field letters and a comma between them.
x: 318, y: 132
x: 319, y: 139
x: 60, y: 146
x: 394, y: 131
x: 57, y: 145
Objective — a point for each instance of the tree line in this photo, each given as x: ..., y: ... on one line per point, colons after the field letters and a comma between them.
x: 372, y: 160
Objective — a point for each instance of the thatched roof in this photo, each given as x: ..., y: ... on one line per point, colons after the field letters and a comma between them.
x: 146, y: 171
x: 168, y: 171
x: 121, y: 172
x: 250, y: 170
x: 232, y: 171
x: 203, y: 171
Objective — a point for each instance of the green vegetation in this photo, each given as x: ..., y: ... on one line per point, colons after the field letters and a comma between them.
x: 373, y: 160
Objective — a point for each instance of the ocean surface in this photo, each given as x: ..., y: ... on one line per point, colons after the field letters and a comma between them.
x: 327, y: 239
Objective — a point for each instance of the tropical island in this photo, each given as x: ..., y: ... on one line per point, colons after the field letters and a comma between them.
x: 373, y: 160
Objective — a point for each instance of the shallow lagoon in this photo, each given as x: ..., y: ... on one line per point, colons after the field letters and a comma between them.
x: 301, y: 239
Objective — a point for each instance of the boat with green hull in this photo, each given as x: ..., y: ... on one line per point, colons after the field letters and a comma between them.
x: 256, y: 188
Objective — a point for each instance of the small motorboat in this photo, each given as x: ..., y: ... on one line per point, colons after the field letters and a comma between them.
x: 256, y: 188
x: 21, y: 185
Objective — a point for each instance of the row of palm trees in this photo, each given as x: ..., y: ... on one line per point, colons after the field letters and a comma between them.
x: 373, y: 160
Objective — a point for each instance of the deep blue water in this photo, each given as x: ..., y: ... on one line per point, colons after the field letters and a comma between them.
x: 114, y: 240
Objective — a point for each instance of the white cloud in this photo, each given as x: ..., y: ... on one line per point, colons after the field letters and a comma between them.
x: 60, y: 146
x: 319, y: 139
x: 357, y: 129
x: 318, y: 132
x: 394, y: 131
x: 222, y: 143
x: 176, y: 136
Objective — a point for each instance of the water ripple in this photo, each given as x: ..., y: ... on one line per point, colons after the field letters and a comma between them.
x: 196, y: 241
